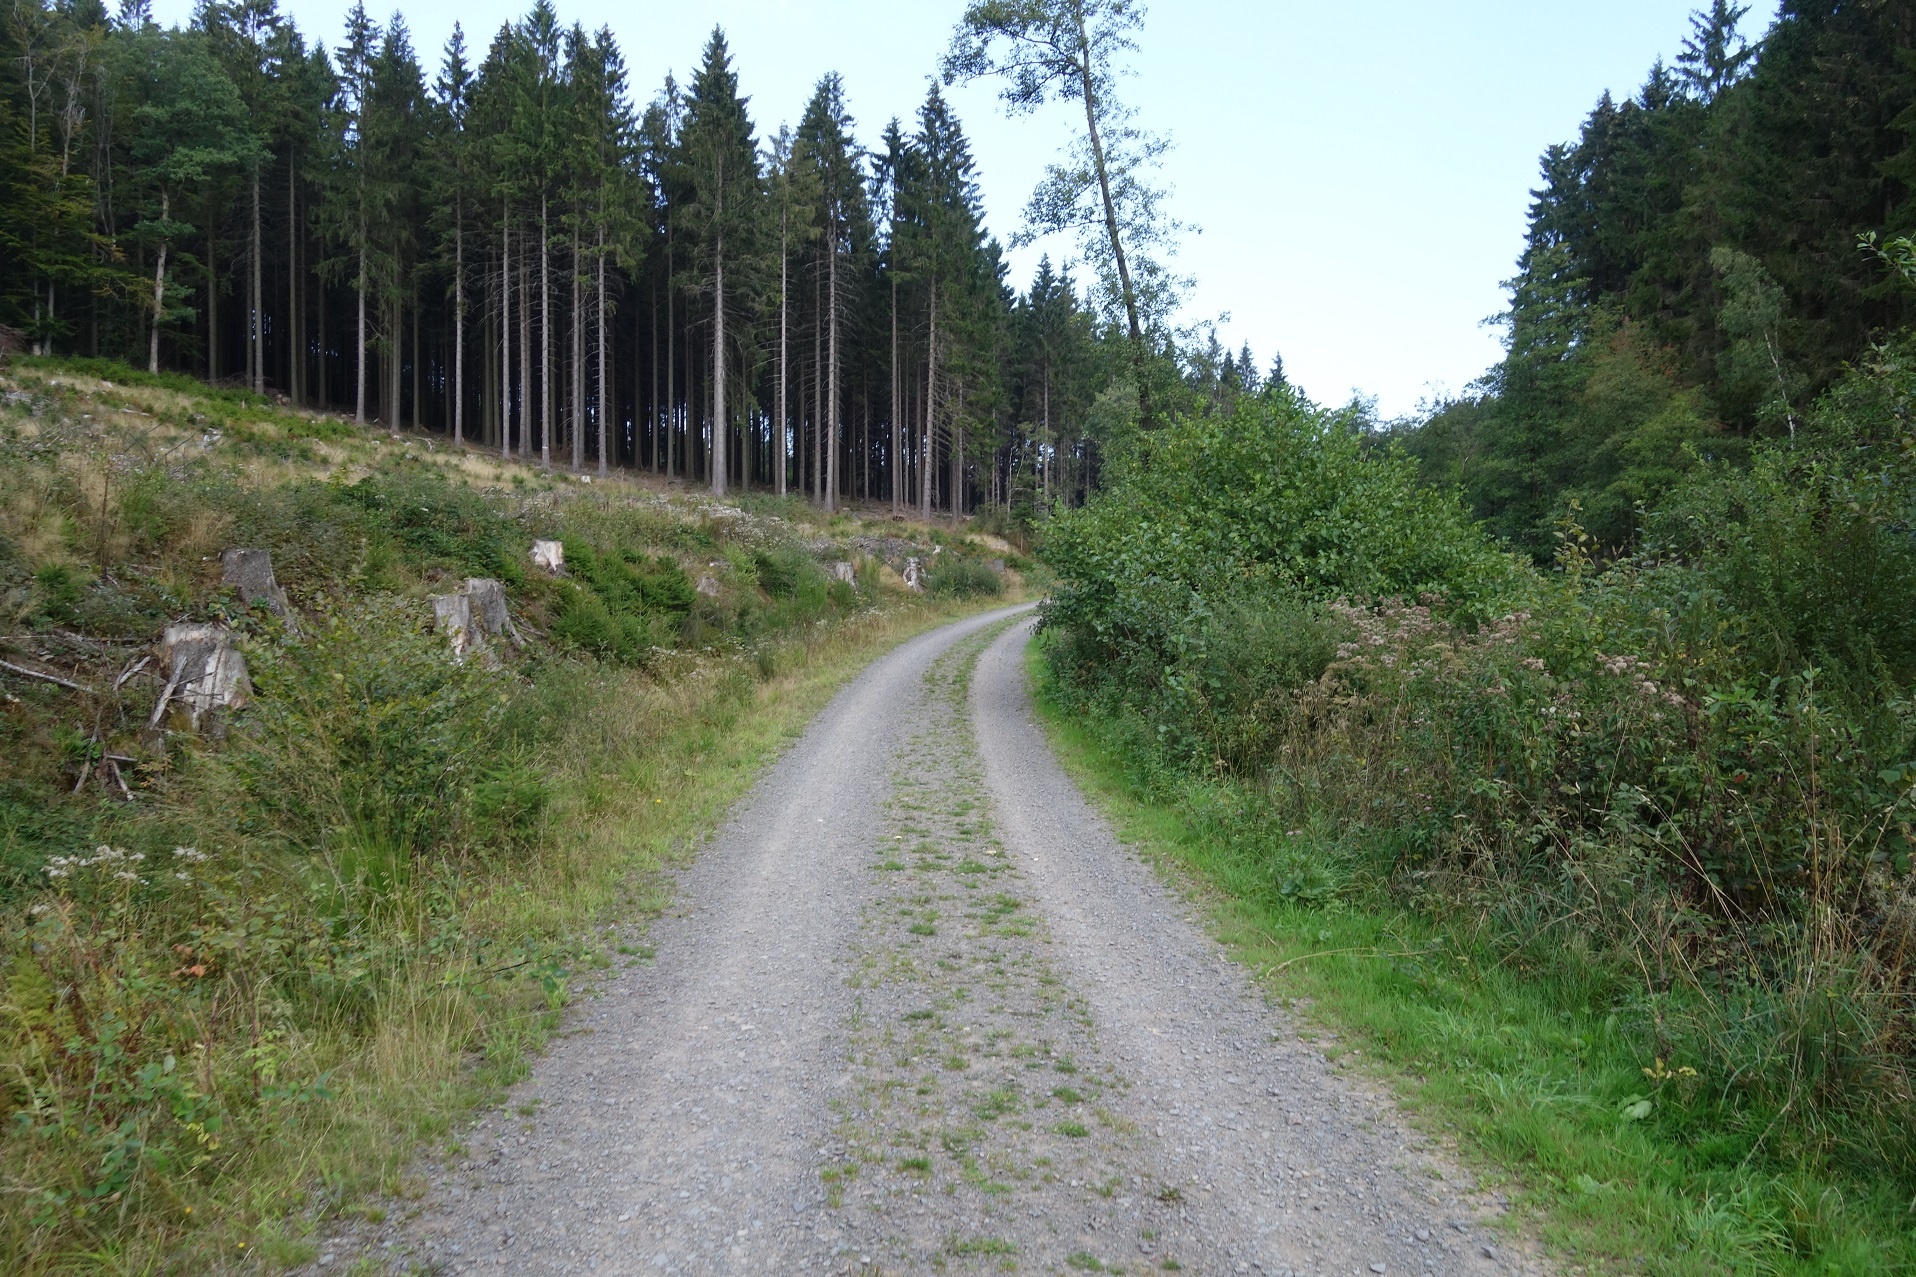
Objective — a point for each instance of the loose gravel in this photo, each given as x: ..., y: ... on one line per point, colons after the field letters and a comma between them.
x: 919, y: 1011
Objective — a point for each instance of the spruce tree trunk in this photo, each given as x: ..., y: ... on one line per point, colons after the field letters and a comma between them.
x: 159, y: 293
x: 545, y: 337
x: 394, y: 364
x: 295, y: 321
x: 818, y: 385
x: 1044, y: 454
x: 893, y: 459
x: 652, y: 415
x: 784, y: 315
x: 604, y: 403
x: 577, y: 415
x: 418, y: 377
x: 525, y: 356
x: 831, y: 390
x: 671, y: 365
x: 931, y: 401
x: 212, y: 306
x: 955, y: 498
x: 256, y: 353
x: 325, y: 386
x: 505, y: 336
x: 717, y: 460
x: 458, y: 329
x: 359, y: 402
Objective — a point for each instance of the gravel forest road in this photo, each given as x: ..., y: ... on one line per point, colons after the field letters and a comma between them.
x: 919, y: 1011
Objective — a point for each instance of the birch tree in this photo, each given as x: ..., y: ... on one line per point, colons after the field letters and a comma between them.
x: 1101, y: 192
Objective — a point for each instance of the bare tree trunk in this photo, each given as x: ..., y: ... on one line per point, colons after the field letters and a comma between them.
x: 359, y: 390
x: 653, y: 415
x: 458, y: 329
x: 505, y: 335
x: 784, y: 309
x: 295, y: 321
x: 717, y: 462
x: 545, y: 337
x: 325, y: 386
x: 955, y: 498
x: 931, y: 402
x: 212, y: 305
x: 831, y: 391
x: 578, y: 367
x: 671, y: 367
x: 894, y: 459
x: 603, y: 405
x: 819, y: 386
x: 256, y: 353
x: 418, y: 377
x: 395, y: 360
x: 159, y: 293
x: 525, y: 355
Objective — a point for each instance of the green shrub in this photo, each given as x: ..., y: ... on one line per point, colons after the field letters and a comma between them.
x: 366, y: 732
x: 1683, y: 783
x: 1275, y: 498
x: 58, y: 591
x: 959, y: 578
x: 787, y: 572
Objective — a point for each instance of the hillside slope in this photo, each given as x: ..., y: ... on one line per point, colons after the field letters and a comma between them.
x: 245, y: 953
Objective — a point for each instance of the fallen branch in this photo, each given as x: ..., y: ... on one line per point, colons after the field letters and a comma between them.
x: 46, y: 678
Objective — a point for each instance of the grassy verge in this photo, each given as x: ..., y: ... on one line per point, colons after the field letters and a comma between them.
x: 1531, y: 1071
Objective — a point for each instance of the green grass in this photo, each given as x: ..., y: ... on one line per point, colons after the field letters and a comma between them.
x: 1531, y: 1072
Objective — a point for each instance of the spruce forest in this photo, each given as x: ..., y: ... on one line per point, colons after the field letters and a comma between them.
x: 505, y: 247
x: 512, y: 577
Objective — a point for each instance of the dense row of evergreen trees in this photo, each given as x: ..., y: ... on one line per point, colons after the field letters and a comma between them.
x: 507, y: 251
x: 1692, y: 276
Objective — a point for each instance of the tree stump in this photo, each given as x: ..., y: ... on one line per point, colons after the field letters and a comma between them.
x: 251, y: 573
x: 452, y: 616
x: 206, y: 673
x: 489, y: 608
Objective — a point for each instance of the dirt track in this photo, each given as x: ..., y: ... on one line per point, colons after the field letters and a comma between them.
x: 918, y: 1011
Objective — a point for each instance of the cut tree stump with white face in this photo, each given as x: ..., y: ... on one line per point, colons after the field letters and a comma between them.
x: 549, y: 555
x: 205, y: 673
x: 468, y: 617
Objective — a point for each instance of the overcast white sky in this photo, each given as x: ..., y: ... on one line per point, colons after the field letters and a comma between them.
x: 1360, y: 172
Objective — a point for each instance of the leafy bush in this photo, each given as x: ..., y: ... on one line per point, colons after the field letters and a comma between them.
x: 1275, y: 498
x: 1683, y: 783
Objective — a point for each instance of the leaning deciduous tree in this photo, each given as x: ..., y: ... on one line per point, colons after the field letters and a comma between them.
x: 1067, y: 49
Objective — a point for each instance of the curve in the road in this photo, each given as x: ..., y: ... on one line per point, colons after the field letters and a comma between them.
x: 901, y: 984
